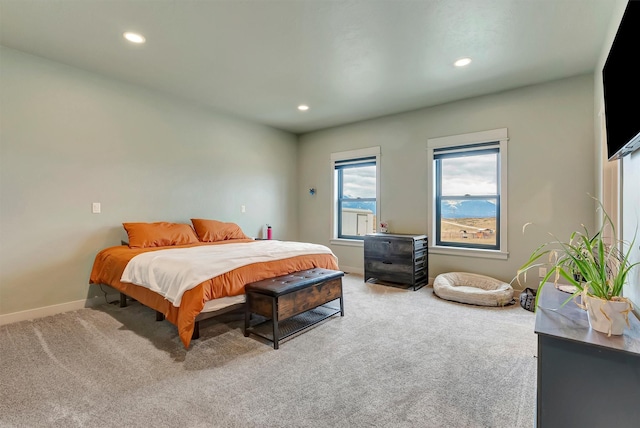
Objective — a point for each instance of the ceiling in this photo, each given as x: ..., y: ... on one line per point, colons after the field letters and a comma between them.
x: 348, y: 60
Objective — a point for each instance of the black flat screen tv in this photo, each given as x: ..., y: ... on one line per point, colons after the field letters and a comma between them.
x: 621, y: 82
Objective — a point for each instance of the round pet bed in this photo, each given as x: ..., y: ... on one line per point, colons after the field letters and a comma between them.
x: 472, y: 288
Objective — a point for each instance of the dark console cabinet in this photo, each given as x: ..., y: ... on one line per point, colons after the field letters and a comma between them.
x: 585, y: 379
x: 396, y: 258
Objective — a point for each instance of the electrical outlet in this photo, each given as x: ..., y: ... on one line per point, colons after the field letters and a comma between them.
x: 542, y: 272
x: 95, y: 208
x: 243, y: 209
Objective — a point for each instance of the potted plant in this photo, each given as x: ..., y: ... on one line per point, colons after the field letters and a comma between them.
x: 595, y: 269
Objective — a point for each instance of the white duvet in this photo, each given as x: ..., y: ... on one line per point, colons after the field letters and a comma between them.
x: 173, y: 271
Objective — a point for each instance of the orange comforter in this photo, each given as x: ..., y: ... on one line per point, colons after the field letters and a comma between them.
x: 110, y: 263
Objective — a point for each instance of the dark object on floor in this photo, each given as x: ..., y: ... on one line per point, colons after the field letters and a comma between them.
x: 528, y: 299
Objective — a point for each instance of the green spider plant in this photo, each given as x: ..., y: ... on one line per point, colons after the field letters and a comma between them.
x: 585, y: 261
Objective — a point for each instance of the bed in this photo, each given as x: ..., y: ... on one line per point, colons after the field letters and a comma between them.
x: 223, y: 258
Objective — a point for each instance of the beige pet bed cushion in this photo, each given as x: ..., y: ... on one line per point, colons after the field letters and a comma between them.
x: 472, y: 288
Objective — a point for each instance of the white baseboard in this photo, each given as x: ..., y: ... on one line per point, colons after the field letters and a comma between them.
x: 94, y: 301
x: 54, y: 309
x: 360, y: 271
x: 352, y: 269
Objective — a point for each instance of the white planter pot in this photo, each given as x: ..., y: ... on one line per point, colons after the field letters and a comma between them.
x: 607, y: 316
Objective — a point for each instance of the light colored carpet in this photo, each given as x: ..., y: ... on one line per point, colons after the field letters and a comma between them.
x: 398, y: 358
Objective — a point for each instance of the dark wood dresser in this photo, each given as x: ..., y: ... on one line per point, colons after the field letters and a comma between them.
x: 395, y: 258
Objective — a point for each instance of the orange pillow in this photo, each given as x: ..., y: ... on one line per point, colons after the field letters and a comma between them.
x: 160, y: 234
x: 213, y: 230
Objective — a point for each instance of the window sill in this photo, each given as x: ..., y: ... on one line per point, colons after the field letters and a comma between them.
x: 348, y: 242
x: 469, y: 252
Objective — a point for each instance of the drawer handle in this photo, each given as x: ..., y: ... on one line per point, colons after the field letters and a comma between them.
x: 387, y: 263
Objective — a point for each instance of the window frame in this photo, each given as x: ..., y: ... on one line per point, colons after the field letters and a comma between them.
x: 342, y: 158
x: 476, y: 141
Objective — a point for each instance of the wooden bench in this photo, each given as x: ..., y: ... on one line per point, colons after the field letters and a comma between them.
x: 292, y: 303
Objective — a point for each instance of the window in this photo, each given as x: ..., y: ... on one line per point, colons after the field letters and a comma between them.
x: 468, y: 195
x: 355, y: 193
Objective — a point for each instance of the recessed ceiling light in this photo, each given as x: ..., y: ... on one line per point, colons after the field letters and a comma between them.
x: 462, y: 62
x: 303, y: 107
x: 134, y: 37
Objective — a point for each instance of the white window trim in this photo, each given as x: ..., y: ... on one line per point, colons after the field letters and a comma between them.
x: 351, y: 154
x: 500, y: 135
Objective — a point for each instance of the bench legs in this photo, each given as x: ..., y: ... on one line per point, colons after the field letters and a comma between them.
x: 247, y: 319
x: 276, y: 329
x: 274, y: 318
x: 281, y: 309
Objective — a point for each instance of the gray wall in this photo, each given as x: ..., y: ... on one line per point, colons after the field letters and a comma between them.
x: 550, y: 169
x: 70, y: 138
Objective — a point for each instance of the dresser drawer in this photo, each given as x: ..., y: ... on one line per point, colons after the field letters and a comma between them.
x: 400, y: 273
x: 383, y: 247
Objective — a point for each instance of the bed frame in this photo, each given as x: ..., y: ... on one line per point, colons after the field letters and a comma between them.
x: 201, y: 316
